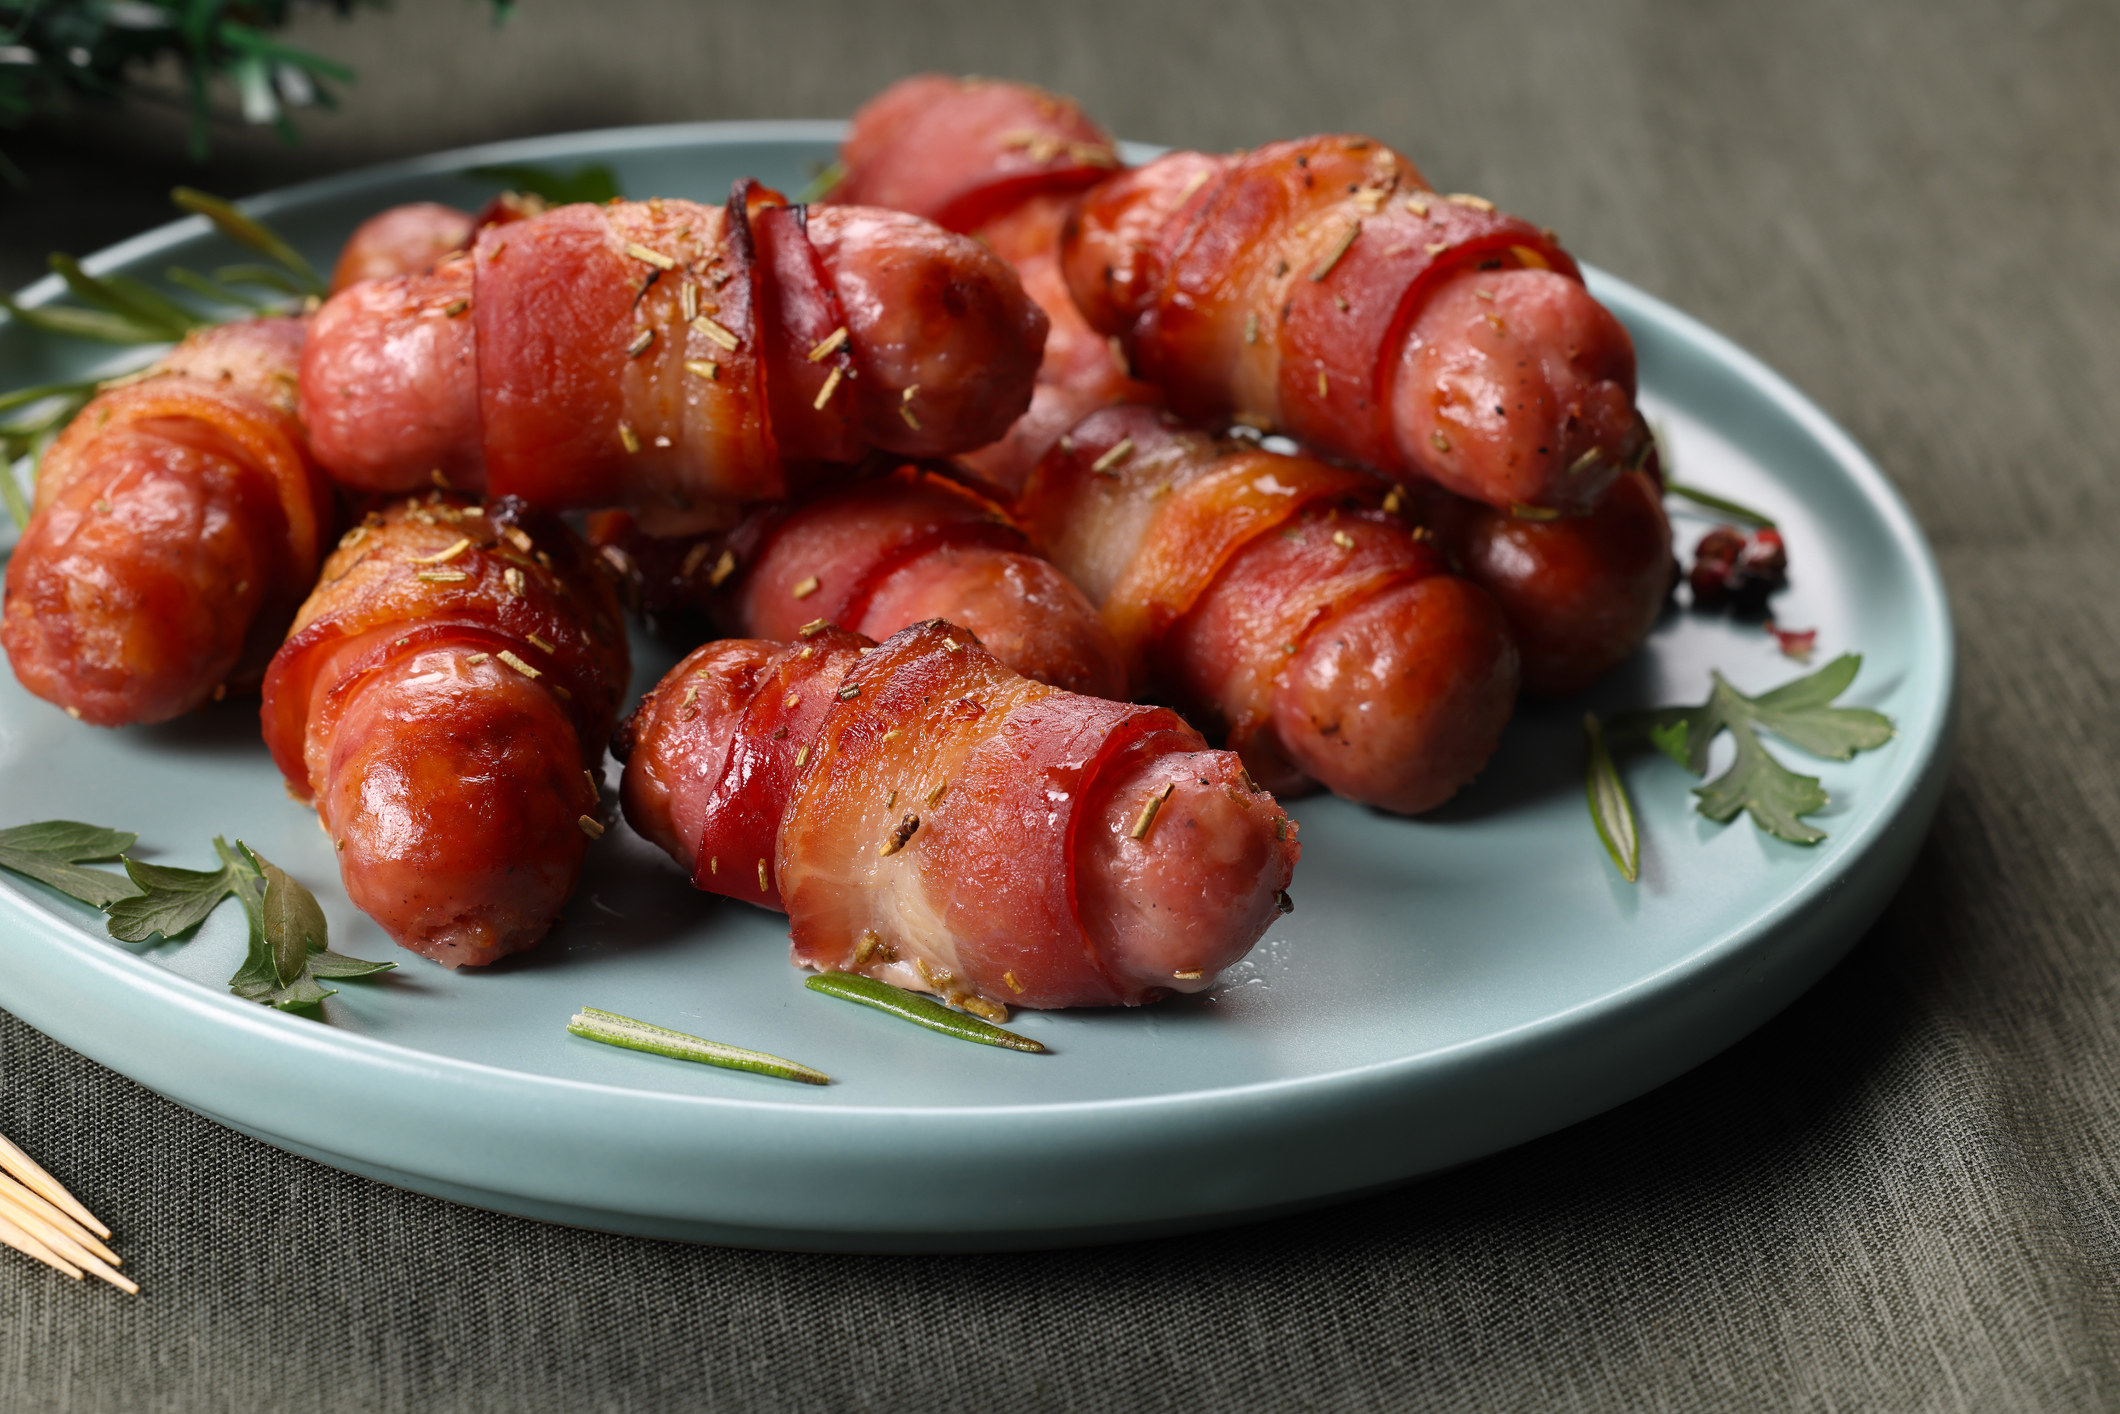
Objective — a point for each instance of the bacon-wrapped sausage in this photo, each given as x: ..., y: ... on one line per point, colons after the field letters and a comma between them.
x: 178, y: 523
x: 1580, y: 591
x: 670, y: 356
x: 1319, y: 288
x: 874, y: 557
x: 443, y: 699
x: 1003, y: 161
x: 1284, y: 600
x: 926, y: 816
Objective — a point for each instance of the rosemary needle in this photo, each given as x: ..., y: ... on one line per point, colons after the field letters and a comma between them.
x: 615, y: 1030
x: 1717, y: 503
x: 913, y: 1007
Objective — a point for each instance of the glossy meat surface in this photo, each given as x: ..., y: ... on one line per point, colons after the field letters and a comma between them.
x: 443, y: 698
x: 389, y: 383
x: 1274, y: 598
x: 875, y: 556
x: 946, y: 342
x: 1318, y: 288
x: 961, y: 151
x: 1005, y: 162
x: 666, y: 355
x: 932, y: 818
x: 403, y: 240
x: 176, y: 527
x: 1581, y: 592
x: 1082, y: 371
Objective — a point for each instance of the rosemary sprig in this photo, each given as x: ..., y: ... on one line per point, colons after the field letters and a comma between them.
x: 270, y: 277
x: 30, y: 434
x: 1610, y: 809
x: 123, y: 310
x: 11, y: 493
x: 1717, y: 503
x: 614, y: 1030
x: 98, y: 324
x: 214, y: 290
x: 128, y: 298
x: 823, y: 184
x: 252, y: 234
x: 913, y: 1007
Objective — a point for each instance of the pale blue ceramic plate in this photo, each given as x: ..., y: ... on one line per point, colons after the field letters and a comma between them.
x: 1445, y: 987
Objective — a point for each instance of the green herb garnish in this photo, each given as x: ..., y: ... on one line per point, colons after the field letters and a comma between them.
x: 122, y: 310
x: 614, y: 1030
x: 52, y: 406
x: 1800, y: 713
x: 52, y: 852
x: 823, y: 184
x: 155, y: 314
x: 593, y: 183
x: 1717, y: 503
x: 289, y: 939
x: 252, y: 234
x: 1610, y: 809
x: 913, y: 1007
x: 11, y: 491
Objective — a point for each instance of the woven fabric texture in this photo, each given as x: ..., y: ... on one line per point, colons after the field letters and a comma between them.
x: 1900, y: 1194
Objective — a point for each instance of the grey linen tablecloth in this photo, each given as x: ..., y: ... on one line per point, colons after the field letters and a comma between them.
x: 1899, y: 1194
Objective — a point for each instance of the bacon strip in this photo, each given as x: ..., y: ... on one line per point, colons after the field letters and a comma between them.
x: 1003, y: 161
x: 178, y: 523
x: 964, y: 151
x: 443, y: 699
x: 1276, y: 598
x: 1319, y: 288
x: 669, y: 356
x: 874, y: 557
x: 1494, y: 369
x: 926, y: 816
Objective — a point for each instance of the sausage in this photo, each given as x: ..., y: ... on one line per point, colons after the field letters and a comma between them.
x: 403, y: 240
x: 1004, y: 162
x: 1082, y: 370
x: 669, y: 356
x: 178, y: 523
x: 964, y: 151
x: 1580, y: 592
x: 1318, y: 288
x: 926, y: 816
x: 874, y: 557
x: 443, y: 700
x: 1496, y: 382
x: 1285, y: 602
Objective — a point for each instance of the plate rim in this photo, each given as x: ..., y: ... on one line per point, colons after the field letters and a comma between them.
x: 362, y: 1060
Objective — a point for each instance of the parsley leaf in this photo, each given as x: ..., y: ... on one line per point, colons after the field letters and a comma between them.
x: 1800, y: 713
x: 52, y: 851
x: 172, y: 901
x: 289, y: 939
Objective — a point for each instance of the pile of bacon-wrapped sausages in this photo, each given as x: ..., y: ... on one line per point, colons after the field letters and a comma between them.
x: 931, y: 747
